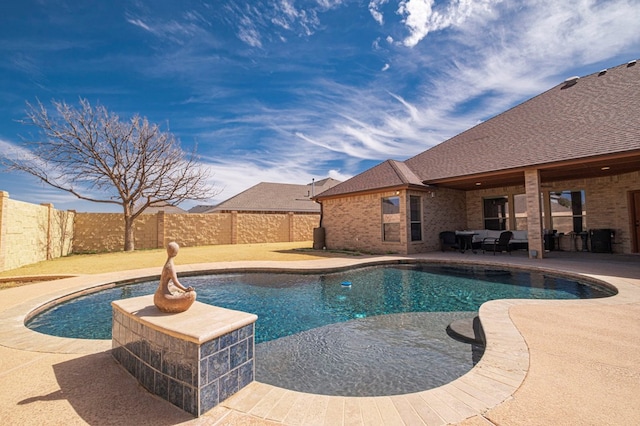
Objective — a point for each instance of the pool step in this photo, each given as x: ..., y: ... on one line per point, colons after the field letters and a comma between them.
x: 468, y: 330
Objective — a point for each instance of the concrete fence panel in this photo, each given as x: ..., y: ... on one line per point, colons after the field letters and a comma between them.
x: 31, y: 233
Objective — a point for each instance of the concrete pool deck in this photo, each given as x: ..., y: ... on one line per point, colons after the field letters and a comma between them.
x: 546, y: 362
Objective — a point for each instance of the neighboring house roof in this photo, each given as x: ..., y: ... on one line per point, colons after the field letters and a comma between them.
x: 268, y: 196
x: 200, y: 209
x: 166, y: 207
x: 591, y: 120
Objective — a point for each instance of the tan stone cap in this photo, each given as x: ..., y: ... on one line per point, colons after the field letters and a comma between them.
x: 199, y: 324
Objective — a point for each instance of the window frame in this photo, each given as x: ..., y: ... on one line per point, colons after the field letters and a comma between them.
x: 578, y: 214
x: 390, y: 219
x: 502, y: 221
x: 415, y: 223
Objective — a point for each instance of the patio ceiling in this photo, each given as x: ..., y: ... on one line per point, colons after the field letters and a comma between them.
x: 566, y: 170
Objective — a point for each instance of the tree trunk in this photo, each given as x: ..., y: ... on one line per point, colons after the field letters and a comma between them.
x: 129, y: 242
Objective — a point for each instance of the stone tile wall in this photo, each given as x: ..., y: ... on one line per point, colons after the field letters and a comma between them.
x: 193, y: 377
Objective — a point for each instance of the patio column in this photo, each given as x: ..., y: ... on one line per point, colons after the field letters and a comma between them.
x: 534, y: 213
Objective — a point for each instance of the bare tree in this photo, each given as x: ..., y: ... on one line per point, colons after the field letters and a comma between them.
x: 92, y: 154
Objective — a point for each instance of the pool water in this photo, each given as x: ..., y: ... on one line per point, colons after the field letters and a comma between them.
x: 288, y: 303
x: 364, y: 332
x: 382, y: 355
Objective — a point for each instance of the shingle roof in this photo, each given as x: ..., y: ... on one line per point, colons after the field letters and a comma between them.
x: 268, y: 196
x: 595, y: 116
x: 165, y: 207
x: 388, y: 174
x: 200, y: 209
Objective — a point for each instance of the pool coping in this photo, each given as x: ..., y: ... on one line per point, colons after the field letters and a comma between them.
x: 492, y: 381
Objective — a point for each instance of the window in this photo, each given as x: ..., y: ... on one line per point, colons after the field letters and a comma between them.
x: 568, y: 211
x: 415, y: 216
x: 391, y: 219
x: 496, y: 213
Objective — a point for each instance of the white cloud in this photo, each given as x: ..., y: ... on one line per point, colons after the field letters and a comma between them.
x: 421, y: 18
x: 329, y: 4
x: 374, y: 9
x: 488, y: 62
x: 249, y: 33
x: 179, y: 29
x: 139, y: 23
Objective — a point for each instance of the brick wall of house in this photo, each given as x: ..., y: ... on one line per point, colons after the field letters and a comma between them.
x: 606, y: 205
x: 355, y: 222
x: 31, y: 233
x: 443, y: 210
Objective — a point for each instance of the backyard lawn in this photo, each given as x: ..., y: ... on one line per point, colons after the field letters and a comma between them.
x: 109, y: 262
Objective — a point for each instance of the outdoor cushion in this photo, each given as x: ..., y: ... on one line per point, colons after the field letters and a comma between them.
x: 519, y: 236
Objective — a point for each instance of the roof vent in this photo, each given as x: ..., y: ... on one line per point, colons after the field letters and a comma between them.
x: 603, y: 72
x: 570, y: 81
x: 631, y: 63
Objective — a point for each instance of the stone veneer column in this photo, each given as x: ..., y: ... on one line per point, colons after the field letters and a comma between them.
x: 534, y: 213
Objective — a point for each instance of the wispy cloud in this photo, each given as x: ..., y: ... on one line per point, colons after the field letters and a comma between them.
x: 284, y: 91
x: 492, y: 55
x: 489, y: 61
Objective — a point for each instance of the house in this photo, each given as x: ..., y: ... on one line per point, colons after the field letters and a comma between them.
x: 164, y: 207
x: 276, y: 197
x: 576, y: 146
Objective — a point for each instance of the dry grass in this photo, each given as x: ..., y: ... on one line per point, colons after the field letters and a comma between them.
x: 110, y: 262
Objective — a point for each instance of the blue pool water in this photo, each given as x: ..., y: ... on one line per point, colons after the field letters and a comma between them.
x: 365, y: 332
x: 287, y: 304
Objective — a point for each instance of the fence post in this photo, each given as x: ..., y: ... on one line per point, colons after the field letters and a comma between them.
x: 49, y: 207
x: 291, y: 227
x: 4, y: 196
x: 160, y: 225
x: 234, y: 227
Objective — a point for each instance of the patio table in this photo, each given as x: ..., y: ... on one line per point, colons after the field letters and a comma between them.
x: 465, y: 240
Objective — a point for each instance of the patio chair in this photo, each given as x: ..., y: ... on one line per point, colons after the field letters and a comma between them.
x: 448, y: 240
x: 498, y: 244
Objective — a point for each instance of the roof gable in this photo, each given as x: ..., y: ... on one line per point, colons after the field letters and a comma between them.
x: 390, y: 173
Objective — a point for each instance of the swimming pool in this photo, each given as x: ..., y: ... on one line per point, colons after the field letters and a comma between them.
x: 316, y: 334
x: 288, y: 303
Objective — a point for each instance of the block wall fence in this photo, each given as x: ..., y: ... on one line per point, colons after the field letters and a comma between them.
x: 30, y: 233
x: 104, y: 232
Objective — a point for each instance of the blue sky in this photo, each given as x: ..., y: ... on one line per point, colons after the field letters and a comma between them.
x: 285, y: 90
